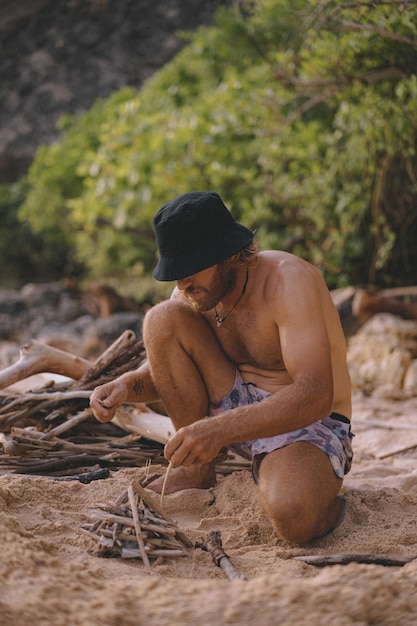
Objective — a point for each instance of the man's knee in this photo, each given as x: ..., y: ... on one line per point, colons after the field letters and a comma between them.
x: 165, y: 317
x: 295, y: 520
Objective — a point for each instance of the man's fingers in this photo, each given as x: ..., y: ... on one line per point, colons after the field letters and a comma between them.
x: 174, y: 451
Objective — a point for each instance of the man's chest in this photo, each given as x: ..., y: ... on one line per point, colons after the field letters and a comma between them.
x: 250, y: 338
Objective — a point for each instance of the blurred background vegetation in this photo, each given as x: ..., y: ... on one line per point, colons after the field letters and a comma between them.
x: 302, y: 114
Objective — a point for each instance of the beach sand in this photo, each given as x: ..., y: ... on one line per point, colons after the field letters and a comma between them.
x: 50, y: 573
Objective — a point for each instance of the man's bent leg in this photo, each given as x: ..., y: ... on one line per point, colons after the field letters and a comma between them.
x: 189, y: 370
x: 298, y: 491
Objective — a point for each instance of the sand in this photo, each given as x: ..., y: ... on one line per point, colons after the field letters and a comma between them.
x: 50, y: 573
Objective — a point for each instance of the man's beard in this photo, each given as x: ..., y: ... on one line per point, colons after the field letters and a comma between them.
x: 223, y: 282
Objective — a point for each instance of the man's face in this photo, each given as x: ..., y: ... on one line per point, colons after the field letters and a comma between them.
x: 205, y: 289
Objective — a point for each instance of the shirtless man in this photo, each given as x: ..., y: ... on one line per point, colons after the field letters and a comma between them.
x: 252, y: 341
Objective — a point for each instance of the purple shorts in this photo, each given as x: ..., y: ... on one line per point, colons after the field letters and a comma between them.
x: 332, y: 434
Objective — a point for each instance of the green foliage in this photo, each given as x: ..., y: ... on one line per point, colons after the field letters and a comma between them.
x: 301, y: 114
x: 25, y: 256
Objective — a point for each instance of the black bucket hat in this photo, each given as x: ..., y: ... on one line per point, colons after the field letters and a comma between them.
x: 194, y: 232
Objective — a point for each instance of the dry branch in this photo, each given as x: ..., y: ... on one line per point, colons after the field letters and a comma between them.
x: 36, y: 357
x: 213, y: 545
x: 115, y: 350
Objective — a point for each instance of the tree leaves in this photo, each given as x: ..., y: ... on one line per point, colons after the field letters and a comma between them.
x: 301, y: 114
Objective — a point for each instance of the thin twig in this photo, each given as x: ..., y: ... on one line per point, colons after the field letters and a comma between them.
x: 138, y: 530
x: 164, y: 485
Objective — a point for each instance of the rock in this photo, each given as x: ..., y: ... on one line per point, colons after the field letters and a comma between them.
x: 410, y: 379
x: 103, y: 331
x: 59, y: 57
x: 25, y: 313
x: 381, y: 353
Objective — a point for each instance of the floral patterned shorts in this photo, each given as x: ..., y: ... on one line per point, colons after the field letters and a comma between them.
x: 332, y: 434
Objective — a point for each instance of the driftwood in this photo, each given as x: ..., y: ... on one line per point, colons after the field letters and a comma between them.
x: 51, y: 431
x: 365, y: 303
x: 213, y: 545
x: 36, y: 358
x: 322, y: 560
x: 357, y: 305
x: 134, y: 526
x: 26, y: 452
x: 123, y: 355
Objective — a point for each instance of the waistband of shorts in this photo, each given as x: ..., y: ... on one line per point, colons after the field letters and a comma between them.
x: 339, y: 417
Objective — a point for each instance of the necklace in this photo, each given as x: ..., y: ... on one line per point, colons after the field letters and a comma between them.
x: 220, y: 320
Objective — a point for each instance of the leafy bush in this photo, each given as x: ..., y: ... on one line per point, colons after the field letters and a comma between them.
x: 301, y: 114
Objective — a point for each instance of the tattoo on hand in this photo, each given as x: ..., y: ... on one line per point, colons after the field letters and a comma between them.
x: 139, y: 388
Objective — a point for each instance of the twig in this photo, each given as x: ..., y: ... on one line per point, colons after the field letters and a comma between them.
x: 138, y: 530
x: 164, y: 485
x: 394, y: 452
x: 390, y: 425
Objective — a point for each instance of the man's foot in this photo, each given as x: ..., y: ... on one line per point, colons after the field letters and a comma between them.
x: 197, y: 476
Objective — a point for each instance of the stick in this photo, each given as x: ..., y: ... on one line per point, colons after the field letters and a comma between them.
x: 138, y: 529
x: 55, y: 465
x: 390, y: 425
x: 73, y: 421
x: 52, y: 396
x: 213, y: 544
x: 344, y: 559
x: 126, y: 339
x: 164, y: 485
x: 385, y: 455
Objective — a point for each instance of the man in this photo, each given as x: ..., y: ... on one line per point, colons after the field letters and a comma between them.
x: 253, y: 340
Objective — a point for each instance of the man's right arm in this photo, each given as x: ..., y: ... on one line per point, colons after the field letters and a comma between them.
x: 136, y: 386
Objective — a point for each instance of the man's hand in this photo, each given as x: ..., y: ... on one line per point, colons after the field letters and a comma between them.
x: 197, y: 443
x: 105, y: 400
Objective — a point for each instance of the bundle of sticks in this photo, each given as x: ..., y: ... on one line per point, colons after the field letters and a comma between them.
x: 135, y: 526
x: 51, y: 430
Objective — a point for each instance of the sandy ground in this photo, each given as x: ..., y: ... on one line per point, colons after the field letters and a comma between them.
x: 50, y: 573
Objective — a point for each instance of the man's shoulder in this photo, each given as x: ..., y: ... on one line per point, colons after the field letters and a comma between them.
x: 284, y: 261
x: 287, y: 272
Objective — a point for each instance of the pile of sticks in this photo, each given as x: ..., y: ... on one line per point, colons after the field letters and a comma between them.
x: 135, y: 526
x: 52, y: 430
x: 27, y: 451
